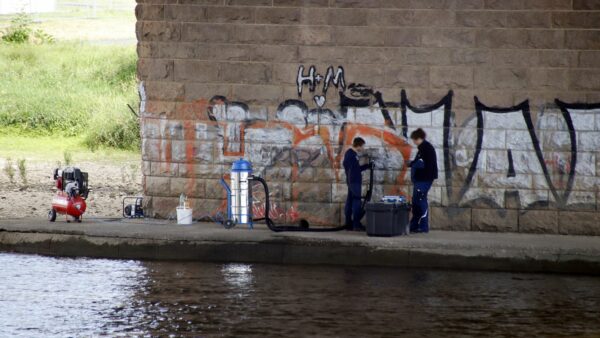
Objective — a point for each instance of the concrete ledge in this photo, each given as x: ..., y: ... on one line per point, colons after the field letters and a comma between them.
x: 154, y: 240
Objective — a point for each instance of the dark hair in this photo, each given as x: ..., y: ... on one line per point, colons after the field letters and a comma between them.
x: 417, y: 134
x: 358, y: 142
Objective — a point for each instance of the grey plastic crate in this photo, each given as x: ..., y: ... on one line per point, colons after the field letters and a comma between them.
x: 387, y: 219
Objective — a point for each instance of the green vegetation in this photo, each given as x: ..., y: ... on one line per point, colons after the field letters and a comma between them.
x: 20, y: 31
x: 68, y: 157
x: 51, y: 148
x: 22, y: 170
x: 70, y: 89
x: 9, y: 170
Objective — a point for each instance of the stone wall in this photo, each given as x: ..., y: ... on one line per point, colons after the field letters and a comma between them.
x: 507, y: 90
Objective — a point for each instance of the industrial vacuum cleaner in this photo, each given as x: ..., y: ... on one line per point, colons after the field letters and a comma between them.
x: 72, y: 185
x: 239, y: 201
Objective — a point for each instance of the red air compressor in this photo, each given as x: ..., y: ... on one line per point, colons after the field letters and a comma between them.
x: 72, y: 185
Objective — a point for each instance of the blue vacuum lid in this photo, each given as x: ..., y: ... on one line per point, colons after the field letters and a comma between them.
x: 241, y: 165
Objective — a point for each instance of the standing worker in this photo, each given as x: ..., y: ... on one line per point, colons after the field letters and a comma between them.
x: 354, y: 171
x: 423, y: 171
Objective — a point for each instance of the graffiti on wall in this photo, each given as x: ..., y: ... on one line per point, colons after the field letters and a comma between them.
x: 495, y: 155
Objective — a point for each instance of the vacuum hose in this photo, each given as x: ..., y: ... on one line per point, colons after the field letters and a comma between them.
x: 280, y: 228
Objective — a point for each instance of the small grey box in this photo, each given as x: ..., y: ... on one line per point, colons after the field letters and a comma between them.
x: 387, y: 219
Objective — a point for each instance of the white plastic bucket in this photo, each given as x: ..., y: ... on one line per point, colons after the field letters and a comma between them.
x: 184, y: 215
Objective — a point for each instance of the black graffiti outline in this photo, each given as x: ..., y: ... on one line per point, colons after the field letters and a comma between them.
x: 445, y: 101
x: 364, y: 90
x: 522, y: 107
x: 298, y: 103
x: 564, y: 108
x: 511, y: 165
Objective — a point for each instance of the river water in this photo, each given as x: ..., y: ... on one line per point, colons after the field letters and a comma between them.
x: 46, y: 297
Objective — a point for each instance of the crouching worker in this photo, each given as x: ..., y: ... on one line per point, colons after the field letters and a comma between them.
x: 423, y: 171
x: 354, y: 171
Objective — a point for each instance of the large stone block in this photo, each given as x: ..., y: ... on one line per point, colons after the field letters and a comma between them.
x: 301, y: 3
x: 157, y: 186
x: 481, y: 19
x: 159, y: 31
x: 252, y: 73
x: 576, y: 19
x: 399, y: 37
x: 500, y: 78
x: 450, y: 218
x: 528, y: 19
x: 214, y: 190
x: 579, y: 223
x: 164, y: 91
x: 355, y: 3
x: 319, y: 213
x: 163, y: 207
x: 351, y: 17
x: 164, y: 169
x: 400, y: 76
x: 196, y: 71
x: 547, y: 79
x: 451, y: 77
x: 248, y: 2
x: 279, y: 15
x: 149, y: 12
x: 495, y: 220
x: 584, y: 79
x: 410, y: 18
x: 311, y: 192
x: 586, y: 5
x: 202, y: 170
x: 449, y: 37
x: 230, y: 14
x: 159, y: 110
x: 358, y: 36
x: 582, y: 39
x: 201, y: 32
x: 207, y: 209
x: 257, y: 94
x: 191, y: 187
x: 185, y: 13
x: 538, y: 221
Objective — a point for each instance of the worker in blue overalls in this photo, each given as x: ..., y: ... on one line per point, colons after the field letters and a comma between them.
x: 354, y: 170
x: 423, y: 171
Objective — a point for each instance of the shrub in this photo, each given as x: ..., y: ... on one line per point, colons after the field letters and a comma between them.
x: 122, y: 132
x: 20, y: 31
x: 22, y: 170
x: 9, y: 170
x: 68, y: 157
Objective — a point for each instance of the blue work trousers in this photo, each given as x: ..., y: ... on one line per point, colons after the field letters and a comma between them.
x: 353, y: 211
x: 420, y: 207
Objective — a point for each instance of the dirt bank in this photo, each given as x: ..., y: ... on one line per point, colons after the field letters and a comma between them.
x: 109, y: 183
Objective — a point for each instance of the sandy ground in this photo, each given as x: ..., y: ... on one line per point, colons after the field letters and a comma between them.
x: 109, y: 183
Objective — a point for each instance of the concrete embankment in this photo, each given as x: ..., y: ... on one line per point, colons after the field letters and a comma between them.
x: 155, y: 240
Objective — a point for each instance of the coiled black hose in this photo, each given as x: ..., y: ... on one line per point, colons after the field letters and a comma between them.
x: 281, y: 228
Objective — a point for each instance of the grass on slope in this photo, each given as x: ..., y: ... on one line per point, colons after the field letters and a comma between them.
x: 52, y: 148
x: 70, y: 89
